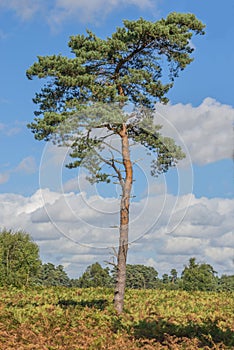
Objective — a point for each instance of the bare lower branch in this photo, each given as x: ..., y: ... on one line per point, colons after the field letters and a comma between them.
x: 110, y: 263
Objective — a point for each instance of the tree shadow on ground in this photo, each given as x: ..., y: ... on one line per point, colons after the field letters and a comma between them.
x: 208, y: 333
x: 99, y: 304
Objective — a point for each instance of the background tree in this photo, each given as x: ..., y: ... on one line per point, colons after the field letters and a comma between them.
x: 51, y: 275
x: 226, y: 283
x: 94, y: 276
x: 173, y: 276
x: 199, y: 277
x: 165, y: 279
x: 136, y: 65
x: 19, y: 259
x: 141, y: 277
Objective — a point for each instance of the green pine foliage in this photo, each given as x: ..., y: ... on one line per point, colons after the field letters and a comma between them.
x: 136, y: 65
x: 226, y: 283
x: 94, y: 276
x: 132, y: 57
x: 140, y: 277
x: 51, y: 275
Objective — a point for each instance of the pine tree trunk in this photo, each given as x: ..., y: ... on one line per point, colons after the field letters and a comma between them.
x: 124, y: 224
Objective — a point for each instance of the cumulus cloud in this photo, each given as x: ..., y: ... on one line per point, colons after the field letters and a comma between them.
x: 184, y: 246
x: 206, y: 130
x: 71, y: 185
x: 201, y: 215
x: 75, y: 229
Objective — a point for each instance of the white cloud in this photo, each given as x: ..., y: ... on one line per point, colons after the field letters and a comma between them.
x: 206, y: 130
x: 27, y: 166
x: 200, y: 214
x: 10, y: 129
x: 87, y: 221
x: 224, y: 256
x: 25, y: 9
x: 71, y: 185
x: 92, y: 9
x: 226, y: 240
x: 58, y: 11
x: 184, y: 246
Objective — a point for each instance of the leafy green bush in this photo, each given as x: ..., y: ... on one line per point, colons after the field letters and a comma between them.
x: 19, y: 259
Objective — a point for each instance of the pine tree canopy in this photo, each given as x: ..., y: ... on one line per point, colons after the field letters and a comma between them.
x: 135, y: 66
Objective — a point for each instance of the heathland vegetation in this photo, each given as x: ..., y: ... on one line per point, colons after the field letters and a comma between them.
x: 49, y: 318
x: 42, y: 308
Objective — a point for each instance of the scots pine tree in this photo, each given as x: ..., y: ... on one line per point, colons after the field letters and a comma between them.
x: 85, y: 100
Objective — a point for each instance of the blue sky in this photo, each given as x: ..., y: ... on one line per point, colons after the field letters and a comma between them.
x: 200, y: 116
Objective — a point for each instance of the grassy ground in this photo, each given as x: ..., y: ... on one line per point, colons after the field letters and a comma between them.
x: 73, y: 319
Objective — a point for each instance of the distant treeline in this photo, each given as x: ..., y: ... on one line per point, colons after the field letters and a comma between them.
x: 194, y: 277
x: 20, y: 265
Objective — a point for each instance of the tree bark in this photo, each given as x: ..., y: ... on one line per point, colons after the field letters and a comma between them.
x: 124, y: 223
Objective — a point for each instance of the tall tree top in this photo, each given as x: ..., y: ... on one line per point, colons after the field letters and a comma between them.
x: 127, y: 66
x: 136, y: 65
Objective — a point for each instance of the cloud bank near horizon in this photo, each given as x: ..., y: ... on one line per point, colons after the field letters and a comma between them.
x: 76, y: 228
x: 71, y: 231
